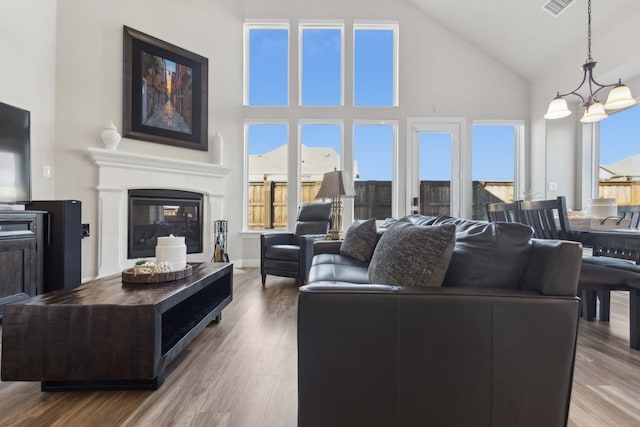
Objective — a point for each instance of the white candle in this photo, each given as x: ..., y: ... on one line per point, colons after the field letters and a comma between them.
x: 173, y: 250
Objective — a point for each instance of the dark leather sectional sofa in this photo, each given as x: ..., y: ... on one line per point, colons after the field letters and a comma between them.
x: 477, y: 351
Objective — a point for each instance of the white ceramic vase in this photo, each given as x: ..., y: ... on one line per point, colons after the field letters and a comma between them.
x: 110, y: 137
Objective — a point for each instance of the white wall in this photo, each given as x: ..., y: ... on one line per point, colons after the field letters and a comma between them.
x: 437, y: 68
x: 27, y: 53
x: 89, y: 88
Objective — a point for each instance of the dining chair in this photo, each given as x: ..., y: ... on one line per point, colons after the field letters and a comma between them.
x: 631, y: 213
x: 549, y: 220
x: 501, y: 212
x: 600, y: 273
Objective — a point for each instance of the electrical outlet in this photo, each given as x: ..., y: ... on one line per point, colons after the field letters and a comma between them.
x: 552, y: 186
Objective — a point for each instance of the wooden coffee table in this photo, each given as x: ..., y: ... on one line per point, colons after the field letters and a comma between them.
x: 106, y: 334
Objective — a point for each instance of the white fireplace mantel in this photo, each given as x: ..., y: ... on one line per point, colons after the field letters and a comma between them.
x: 120, y: 171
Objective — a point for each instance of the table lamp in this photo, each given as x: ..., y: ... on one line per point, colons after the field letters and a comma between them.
x: 335, y: 185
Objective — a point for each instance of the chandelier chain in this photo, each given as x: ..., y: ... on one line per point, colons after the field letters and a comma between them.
x: 589, y: 59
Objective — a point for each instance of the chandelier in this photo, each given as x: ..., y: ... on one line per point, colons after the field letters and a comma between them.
x: 594, y: 111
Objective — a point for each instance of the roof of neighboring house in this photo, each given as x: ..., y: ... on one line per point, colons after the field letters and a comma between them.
x: 627, y: 169
x: 315, y: 162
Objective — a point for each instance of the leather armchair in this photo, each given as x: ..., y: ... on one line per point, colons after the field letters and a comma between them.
x: 288, y: 254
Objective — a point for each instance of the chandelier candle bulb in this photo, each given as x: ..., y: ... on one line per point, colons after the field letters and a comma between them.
x: 619, y: 97
x: 173, y: 250
x: 594, y: 113
x: 557, y: 109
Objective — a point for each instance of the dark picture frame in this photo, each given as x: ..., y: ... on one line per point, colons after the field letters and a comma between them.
x: 165, y: 92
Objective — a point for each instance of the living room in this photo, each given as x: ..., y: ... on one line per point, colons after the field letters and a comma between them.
x: 64, y: 63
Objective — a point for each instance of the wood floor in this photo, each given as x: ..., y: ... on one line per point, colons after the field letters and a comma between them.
x: 242, y: 372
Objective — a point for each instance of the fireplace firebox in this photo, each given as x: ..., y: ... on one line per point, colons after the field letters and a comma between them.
x: 155, y: 213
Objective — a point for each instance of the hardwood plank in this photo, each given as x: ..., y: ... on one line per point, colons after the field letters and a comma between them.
x: 243, y: 372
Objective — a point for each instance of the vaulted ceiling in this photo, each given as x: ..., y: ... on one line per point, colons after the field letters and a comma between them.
x: 523, y: 36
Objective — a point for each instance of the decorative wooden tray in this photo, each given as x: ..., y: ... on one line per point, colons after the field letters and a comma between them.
x: 611, y: 223
x: 129, y: 276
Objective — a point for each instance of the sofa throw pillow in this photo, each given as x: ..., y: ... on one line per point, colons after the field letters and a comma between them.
x: 488, y: 254
x: 388, y: 222
x: 360, y: 240
x: 417, y: 219
x: 412, y: 255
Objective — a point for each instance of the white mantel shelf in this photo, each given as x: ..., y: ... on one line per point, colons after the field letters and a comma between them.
x: 118, y: 172
x: 113, y: 158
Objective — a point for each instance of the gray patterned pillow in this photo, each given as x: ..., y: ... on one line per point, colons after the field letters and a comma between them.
x: 360, y: 240
x: 413, y: 255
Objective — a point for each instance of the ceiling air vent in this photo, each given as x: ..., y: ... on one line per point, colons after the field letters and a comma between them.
x: 555, y: 7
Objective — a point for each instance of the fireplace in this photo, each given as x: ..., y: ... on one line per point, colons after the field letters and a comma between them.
x: 119, y: 172
x: 153, y: 213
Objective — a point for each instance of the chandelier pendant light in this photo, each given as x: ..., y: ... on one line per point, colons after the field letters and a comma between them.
x: 594, y: 111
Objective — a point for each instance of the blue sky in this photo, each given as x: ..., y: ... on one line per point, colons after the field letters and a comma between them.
x: 492, y: 146
x: 321, y: 67
x: 620, y: 135
x: 268, y: 75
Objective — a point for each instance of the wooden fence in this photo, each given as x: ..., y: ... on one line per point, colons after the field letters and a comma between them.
x: 435, y: 196
x: 626, y: 193
x: 268, y: 199
x: 489, y: 192
x: 268, y: 202
x: 373, y: 199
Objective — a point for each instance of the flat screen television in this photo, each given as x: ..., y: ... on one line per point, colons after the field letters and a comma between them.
x: 15, y: 155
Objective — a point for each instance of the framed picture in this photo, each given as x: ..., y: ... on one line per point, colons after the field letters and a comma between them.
x: 165, y: 92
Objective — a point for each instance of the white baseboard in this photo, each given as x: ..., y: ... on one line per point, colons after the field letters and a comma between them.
x: 246, y: 263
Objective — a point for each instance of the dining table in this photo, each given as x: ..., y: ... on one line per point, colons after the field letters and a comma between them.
x: 622, y: 243
x: 612, y: 242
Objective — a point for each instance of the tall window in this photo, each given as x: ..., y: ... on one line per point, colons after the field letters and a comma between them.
x: 320, y: 152
x: 321, y: 65
x: 375, y: 65
x: 267, y: 175
x: 619, y: 171
x: 320, y: 146
x: 492, y: 166
x: 266, y: 64
x: 435, y: 169
x: 373, y: 170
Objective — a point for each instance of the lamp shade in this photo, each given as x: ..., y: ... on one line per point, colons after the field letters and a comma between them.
x: 594, y: 113
x: 557, y: 109
x: 336, y: 183
x: 619, y: 97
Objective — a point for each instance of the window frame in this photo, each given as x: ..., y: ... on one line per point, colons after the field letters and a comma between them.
x: 394, y: 26
x: 395, y: 167
x: 298, y: 162
x: 299, y: 115
x: 592, y: 135
x: 245, y: 193
x: 518, y: 153
x: 457, y: 128
x: 271, y: 24
x: 327, y: 24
